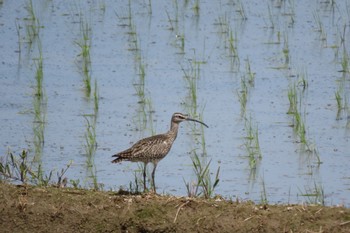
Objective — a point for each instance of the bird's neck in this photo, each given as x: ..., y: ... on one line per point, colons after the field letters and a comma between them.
x: 173, y: 129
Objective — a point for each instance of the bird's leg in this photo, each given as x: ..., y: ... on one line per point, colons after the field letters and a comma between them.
x: 153, y: 182
x: 144, y: 177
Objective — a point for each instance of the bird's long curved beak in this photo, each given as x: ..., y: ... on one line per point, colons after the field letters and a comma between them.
x: 190, y: 119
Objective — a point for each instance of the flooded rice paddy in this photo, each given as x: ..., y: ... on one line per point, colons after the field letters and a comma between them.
x: 82, y: 80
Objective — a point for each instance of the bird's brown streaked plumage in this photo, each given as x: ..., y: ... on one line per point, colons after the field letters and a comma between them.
x: 154, y: 148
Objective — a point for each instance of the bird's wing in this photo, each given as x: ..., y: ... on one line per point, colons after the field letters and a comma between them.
x: 147, y: 148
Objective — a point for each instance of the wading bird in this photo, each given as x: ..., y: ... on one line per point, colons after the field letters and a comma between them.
x: 154, y: 148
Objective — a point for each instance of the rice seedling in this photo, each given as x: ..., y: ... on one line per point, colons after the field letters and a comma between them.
x: 18, y: 30
x: 39, y: 107
x: 39, y: 126
x: 252, y: 144
x: 232, y: 44
x: 202, y: 133
x: 90, y: 151
x: 250, y: 73
x: 319, y: 26
x: 196, y: 8
x: 293, y: 99
x: 263, y: 194
x: 345, y: 62
x: 243, y: 95
x: 90, y: 140
x: 303, y: 79
x: 203, y: 185
x: 191, y: 76
x: 223, y: 23
x: 140, y: 85
x: 172, y: 21
x: 298, y: 124
x: 33, y: 25
x: 285, y: 51
x: 96, y: 98
x: 241, y: 10
x: 271, y: 18
x: 314, y: 195
x: 93, y: 177
x: 299, y: 127
x: 339, y: 100
x: 85, y: 45
x: 233, y: 52
x: 39, y: 76
x: 150, y: 112
x: 150, y: 7
x: 102, y: 5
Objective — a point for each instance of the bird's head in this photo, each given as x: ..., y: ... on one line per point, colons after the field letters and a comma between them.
x: 180, y: 117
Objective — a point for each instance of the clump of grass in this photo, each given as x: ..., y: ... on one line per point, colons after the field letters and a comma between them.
x: 19, y: 169
x: 204, y: 185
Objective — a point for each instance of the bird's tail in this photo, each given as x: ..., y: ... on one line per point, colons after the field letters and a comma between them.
x: 117, y: 160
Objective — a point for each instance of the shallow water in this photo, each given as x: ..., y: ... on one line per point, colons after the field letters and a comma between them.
x: 126, y: 38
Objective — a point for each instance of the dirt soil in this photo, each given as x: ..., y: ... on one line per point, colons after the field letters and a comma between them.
x: 50, y: 209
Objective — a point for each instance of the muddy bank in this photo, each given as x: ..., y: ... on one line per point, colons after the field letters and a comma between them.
x: 34, y: 209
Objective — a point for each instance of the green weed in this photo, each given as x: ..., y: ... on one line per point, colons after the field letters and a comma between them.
x: 19, y: 169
